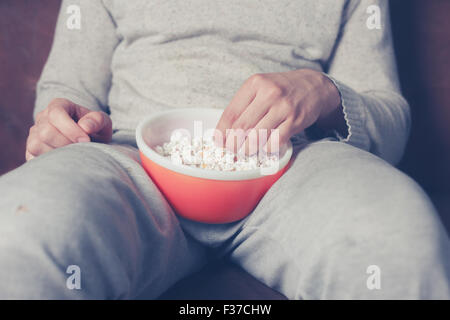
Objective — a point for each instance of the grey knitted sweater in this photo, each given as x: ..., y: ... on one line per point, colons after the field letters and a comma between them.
x: 130, y: 58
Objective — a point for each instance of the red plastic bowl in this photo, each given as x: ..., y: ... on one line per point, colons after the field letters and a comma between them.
x: 198, y: 194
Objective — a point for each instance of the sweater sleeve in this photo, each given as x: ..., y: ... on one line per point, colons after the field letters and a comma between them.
x: 78, y: 67
x: 363, y: 69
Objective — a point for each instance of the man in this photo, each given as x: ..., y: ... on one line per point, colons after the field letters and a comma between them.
x: 311, y: 69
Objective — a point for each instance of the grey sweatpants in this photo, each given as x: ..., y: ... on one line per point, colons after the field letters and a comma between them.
x: 341, y: 223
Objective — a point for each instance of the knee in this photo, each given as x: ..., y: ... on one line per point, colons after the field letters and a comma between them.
x: 390, y: 206
x: 357, y: 210
x: 397, y: 204
x: 401, y: 233
x: 360, y: 186
x: 57, y: 191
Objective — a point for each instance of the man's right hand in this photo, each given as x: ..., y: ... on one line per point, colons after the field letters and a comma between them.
x: 64, y: 122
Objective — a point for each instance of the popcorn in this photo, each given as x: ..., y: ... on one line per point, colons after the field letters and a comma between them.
x: 203, y: 153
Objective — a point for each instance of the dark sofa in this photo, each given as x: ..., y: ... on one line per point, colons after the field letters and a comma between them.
x: 422, y: 44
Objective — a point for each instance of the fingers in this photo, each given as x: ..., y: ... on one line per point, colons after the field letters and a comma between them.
x: 278, y: 137
x: 51, y: 136
x: 257, y: 109
x: 98, y: 125
x: 266, y: 101
x: 60, y: 117
x: 28, y: 156
x: 238, y: 104
x: 259, y: 95
x: 235, y: 138
x: 35, y: 147
x: 56, y: 127
x: 258, y: 136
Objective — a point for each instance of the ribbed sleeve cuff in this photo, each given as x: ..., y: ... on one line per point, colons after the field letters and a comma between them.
x: 354, y: 114
x: 45, y: 96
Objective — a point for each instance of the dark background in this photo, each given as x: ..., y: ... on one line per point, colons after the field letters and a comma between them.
x: 422, y: 43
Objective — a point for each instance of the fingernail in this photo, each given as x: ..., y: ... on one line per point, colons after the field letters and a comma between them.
x: 89, y: 125
x: 84, y: 139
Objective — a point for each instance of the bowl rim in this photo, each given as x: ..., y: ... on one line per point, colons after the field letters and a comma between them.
x: 198, y: 172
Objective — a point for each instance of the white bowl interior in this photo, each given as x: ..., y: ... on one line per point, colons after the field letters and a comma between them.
x: 157, y: 129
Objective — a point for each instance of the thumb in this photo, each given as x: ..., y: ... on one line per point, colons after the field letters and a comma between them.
x: 98, y: 125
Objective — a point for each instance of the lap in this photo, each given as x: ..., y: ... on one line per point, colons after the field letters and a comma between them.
x: 335, y: 212
x: 335, y: 183
x: 331, y: 187
x: 94, y: 206
x: 85, y: 180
